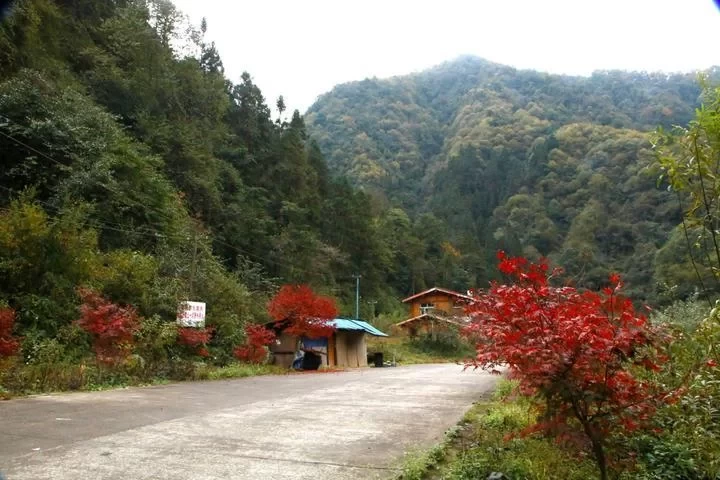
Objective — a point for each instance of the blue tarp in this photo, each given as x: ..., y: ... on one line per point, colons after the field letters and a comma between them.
x: 357, y: 325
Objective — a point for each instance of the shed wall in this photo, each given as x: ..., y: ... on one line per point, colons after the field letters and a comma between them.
x: 351, y: 349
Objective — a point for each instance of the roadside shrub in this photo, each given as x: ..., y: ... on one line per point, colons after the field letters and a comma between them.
x: 42, y: 260
x: 586, y: 358
x: 9, y: 345
x: 195, y: 340
x: 155, y: 344
x: 255, y: 350
x: 685, y: 440
x: 111, y: 326
x: 683, y: 314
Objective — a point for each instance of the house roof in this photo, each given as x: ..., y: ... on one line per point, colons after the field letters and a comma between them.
x: 430, y: 316
x: 435, y: 290
x: 356, y: 325
x: 340, y: 324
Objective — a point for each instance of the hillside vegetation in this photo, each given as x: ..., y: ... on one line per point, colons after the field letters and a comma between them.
x: 536, y: 164
x: 133, y: 170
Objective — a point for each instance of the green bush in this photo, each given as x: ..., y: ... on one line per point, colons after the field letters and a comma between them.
x: 444, y: 344
x: 156, y: 346
x: 686, y: 438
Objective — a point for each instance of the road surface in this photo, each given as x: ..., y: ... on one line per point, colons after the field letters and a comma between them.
x: 348, y: 425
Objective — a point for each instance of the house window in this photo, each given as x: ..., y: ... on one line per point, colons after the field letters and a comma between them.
x: 426, y: 308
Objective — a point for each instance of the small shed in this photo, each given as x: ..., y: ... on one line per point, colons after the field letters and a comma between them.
x: 347, y: 347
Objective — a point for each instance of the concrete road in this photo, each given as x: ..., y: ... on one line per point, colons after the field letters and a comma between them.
x: 349, y: 425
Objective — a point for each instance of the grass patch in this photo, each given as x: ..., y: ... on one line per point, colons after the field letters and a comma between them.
x: 20, y: 380
x: 418, y: 464
x: 484, y: 449
x: 240, y: 370
x: 405, y: 351
x: 479, y: 448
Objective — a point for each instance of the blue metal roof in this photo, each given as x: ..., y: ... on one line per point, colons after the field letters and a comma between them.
x: 357, y: 325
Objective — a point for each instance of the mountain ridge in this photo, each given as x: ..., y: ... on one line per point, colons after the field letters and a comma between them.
x: 473, y: 143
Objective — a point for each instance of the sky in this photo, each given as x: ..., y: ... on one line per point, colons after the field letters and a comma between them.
x: 302, y: 48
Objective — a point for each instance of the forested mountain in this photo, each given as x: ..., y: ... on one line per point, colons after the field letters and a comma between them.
x: 131, y: 164
x: 533, y: 163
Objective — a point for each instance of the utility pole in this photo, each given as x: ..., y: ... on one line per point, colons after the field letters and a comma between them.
x: 357, y: 296
x: 193, y: 265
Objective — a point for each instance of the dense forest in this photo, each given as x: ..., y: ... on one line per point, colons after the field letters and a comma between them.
x: 533, y: 163
x: 132, y: 165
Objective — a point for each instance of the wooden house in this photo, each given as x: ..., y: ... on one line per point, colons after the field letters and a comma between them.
x: 434, y: 310
x: 347, y: 347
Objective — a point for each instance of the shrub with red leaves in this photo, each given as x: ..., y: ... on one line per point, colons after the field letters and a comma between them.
x: 254, y: 349
x: 9, y: 345
x: 571, y: 350
x: 303, y: 313
x: 111, y: 326
x: 195, y: 339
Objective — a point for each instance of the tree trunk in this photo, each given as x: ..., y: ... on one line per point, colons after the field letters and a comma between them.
x: 598, y: 450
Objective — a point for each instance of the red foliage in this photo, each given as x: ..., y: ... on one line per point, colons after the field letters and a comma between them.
x: 302, y: 313
x: 570, y: 349
x: 111, y: 326
x: 257, y: 338
x: 195, y: 339
x: 8, y: 344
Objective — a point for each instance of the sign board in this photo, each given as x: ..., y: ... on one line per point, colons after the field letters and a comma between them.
x: 191, y: 314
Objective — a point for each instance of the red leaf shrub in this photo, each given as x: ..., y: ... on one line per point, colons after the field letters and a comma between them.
x: 9, y: 345
x: 303, y: 313
x: 257, y: 338
x: 111, y: 326
x: 574, y: 351
x: 195, y: 339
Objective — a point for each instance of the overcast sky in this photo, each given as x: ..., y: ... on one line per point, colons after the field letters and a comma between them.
x: 302, y: 48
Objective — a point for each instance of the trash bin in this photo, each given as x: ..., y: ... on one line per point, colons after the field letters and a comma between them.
x: 378, y: 359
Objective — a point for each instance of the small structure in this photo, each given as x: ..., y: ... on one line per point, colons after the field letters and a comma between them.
x: 434, y: 310
x: 347, y: 347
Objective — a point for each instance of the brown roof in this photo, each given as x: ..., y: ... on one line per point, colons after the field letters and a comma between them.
x: 430, y: 316
x: 437, y: 289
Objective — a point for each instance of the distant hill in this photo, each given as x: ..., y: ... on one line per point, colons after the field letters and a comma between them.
x: 531, y: 162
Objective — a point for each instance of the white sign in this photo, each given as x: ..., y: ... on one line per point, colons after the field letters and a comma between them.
x: 191, y: 314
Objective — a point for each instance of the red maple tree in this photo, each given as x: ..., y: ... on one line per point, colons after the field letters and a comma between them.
x: 112, y: 327
x: 257, y: 338
x: 303, y: 313
x: 195, y: 339
x: 577, y: 352
x: 9, y: 345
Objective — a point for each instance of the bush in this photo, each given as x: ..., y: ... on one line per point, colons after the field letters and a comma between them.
x: 195, y: 340
x: 255, y: 350
x: 685, y: 442
x: 156, y: 346
x: 111, y: 326
x: 683, y: 314
x: 445, y: 344
x: 9, y: 345
x: 584, y: 358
